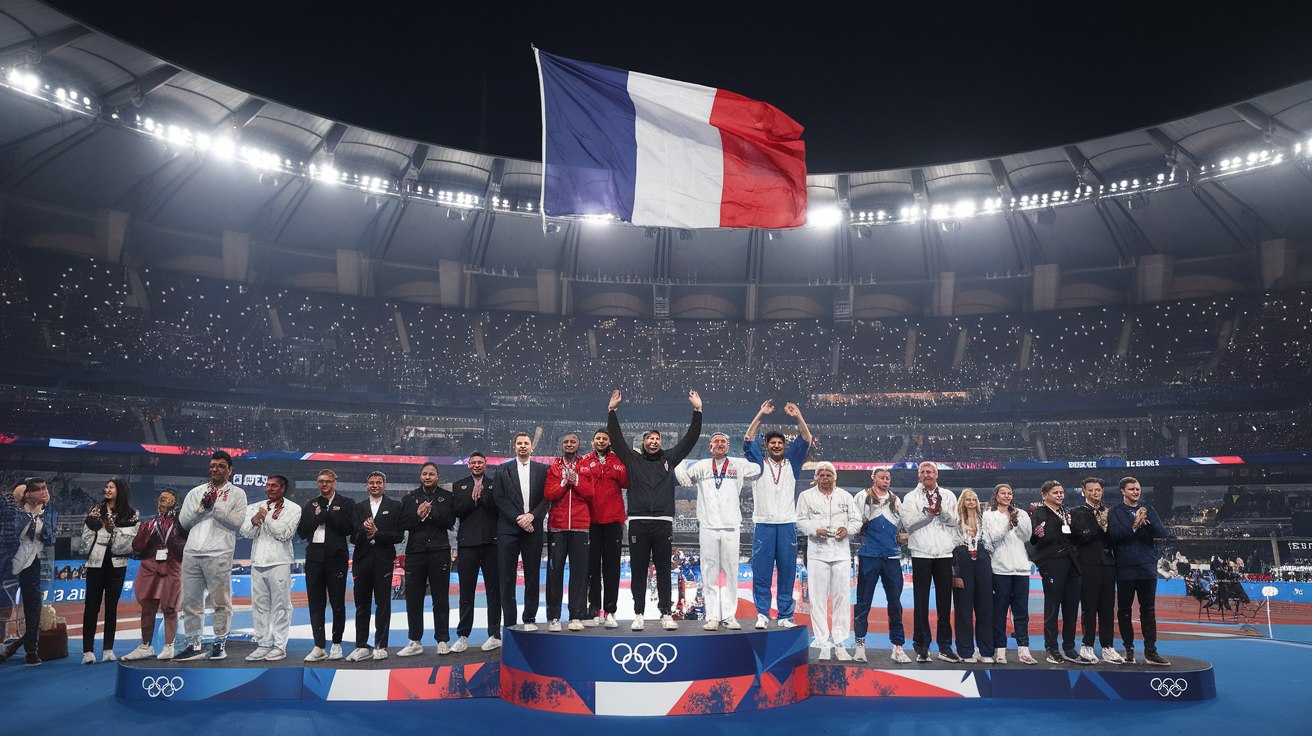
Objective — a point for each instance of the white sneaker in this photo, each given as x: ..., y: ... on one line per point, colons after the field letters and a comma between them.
x: 108, y: 656
x: 787, y: 623
x: 1000, y: 655
x: 840, y: 653
x: 359, y: 654
x: 336, y: 651
x: 259, y: 654
x: 380, y: 653
x: 443, y: 648
x: 860, y: 655
x: 733, y: 625
x: 411, y: 649
x: 530, y: 626
x: 143, y: 651
x: 593, y: 622
x: 276, y: 654
x: 712, y: 626
x: 491, y: 644
x: 554, y: 625
x: 638, y: 623
x: 1087, y: 653
x: 972, y: 659
x: 825, y: 653
x: 88, y: 658
x: 316, y: 655
x: 668, y: 623
x: 1111, y: 656
x: 1023, y: 654
x: 609, y: 622
x: 986, y: 660
x: 761, y: 621
x: 899, y: 655
x: 575, y: 625
x: 166, y: 653
x: 461, y: 644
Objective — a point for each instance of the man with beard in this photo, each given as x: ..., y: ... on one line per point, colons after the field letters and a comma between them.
x: 606, y: 534
x: 427, y: 513
x: 774, y: 512
x: 570, y: 493
x: 377, y: 531
x: 477, y: 544
x: 212, y: 514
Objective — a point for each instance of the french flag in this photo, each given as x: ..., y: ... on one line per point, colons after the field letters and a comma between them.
x: 662, y: 153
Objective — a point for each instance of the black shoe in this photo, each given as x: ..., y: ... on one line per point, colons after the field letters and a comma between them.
x: 32, y: 659
x: 190, y: 654
x: 219, y: 650
x: 947, y: 655
x: 1129, y: 656
x: 10, y: 648
x: 922, y: 653
x: 1155, y: 658
x: 1055, y: 658
x: 1074, y: 657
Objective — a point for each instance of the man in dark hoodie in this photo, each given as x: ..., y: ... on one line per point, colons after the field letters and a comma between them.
x: 651, y: 505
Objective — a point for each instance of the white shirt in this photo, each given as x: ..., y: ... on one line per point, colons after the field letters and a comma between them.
x: 321, y: 531
x: 523, y: 481
x: 373, y: 506
x: 773, y: 494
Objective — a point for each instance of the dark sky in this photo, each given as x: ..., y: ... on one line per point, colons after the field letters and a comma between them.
x: 877, y: 84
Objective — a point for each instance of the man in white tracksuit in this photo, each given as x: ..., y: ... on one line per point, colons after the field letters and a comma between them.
x: 212, y: 513
x: 929, y: 514
x: 272, y: 524
x: 828, y: 516
x: 719, y: 480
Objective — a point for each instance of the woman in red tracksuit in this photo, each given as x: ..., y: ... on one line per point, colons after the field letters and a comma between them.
x: 569, y: 491
x: 608, y: 477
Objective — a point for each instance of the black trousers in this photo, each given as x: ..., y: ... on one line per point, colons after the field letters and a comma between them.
x: 29, y: 583
x: 325, y: 585
x: 651, y: 542
x: 605, y: 545
x: 1061, y: 595
x: 1098, y: 604
x: 103, y: 583
x: 469, y: 561
x: 1127, y: 591
x: 574, y: 547
x: 423, y: 570
x: 372, y: 578
x: 925, y: 570
x: 510, y: 549
x: 974, y: 601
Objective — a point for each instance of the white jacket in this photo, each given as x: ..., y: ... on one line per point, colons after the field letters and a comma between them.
x: 118, y: 544
x: 273, y: 537
x: 816, y: 511
x: 718, y: 508
x: 213, y: 532
x: 1009, y: 555
x: 932, y: 537
x: 772, y: 503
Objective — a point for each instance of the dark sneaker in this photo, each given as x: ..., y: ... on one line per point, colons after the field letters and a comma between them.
x: 190, y: 654
x: 947, y: 655
x: 219, y: 650
x: 1129, y: 656
x: 1055, y: 658
x: 32, y: 659
x: 10, y: 649
x: 922, y: 654
x: 1074, y: 657
x: 1155, y: 658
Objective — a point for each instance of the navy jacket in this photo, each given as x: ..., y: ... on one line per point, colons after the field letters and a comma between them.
x: 1136, y: 555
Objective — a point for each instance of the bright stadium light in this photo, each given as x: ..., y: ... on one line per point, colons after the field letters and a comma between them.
x: 964, y: 208
x: 202, y: 142
x: 940, y: 212
x: 225, y: 148
x: 825, y: 217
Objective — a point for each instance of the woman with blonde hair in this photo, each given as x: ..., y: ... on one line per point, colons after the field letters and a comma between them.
x: 1008, y: 528
x: 972, y: 582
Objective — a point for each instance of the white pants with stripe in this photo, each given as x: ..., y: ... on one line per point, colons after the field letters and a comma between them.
x: 830, y: 585
x: 271, y: 605
x: 719, y: 549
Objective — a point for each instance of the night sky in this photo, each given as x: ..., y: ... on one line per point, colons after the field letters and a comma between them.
x: 877, y: 85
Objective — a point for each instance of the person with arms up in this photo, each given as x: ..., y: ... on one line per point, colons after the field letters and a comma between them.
x: 326, y: 527
x: 34, y: 526
x: 570, y: 493
x: 719, y: 480
x: 879, y: 560
x: 1009, y: 530
x: 774, y: 512
x: 519, y: 494
x: 1054, y: 555
x: 476, y: 541
x: 377, y: 531
x: 929, y: 514
x: 651, y: 506
x: 271, y: 525
x: 107, y: 534
x: 428, y: 513
x: 972, y: 582
x: 159, y: 544
x: 1133, y: 526
x: 606, y: 535
x: 827, y: 516
x: 212, y: 514
x: 1097, y: 573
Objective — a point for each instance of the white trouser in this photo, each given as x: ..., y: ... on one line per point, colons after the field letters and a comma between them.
x: 830, y: 585
x: 719, y: 548
x: 271, y: 604
x: 198, y: 575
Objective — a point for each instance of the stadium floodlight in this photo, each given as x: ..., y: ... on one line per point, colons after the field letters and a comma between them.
x: 148, y: 124
x: 225, y: 148
x: 25, y: 81
x: 939, y: 212
x: 72, y: 95
x: 964, y: 208
x: 1124, y: 183
x: 1136, y: 183
x: 61, y: 94
x: 880, y: 215
x: 825, y: 217
x: 1161, y: 178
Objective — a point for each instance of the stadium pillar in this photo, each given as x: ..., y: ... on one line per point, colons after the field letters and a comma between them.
x: 1152, y: 279
x: 352, y: 273
x: 111, y: 232
x: 1278, y: 259
x: 548, y: 290
x: 451, y: 284
x: 945, y: 293
x: 1047, y: 286
x: 236, y: 255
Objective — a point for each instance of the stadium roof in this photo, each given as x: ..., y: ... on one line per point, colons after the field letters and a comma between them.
x: 108, y: 150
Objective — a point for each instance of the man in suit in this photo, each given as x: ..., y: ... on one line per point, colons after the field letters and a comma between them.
x: 518, y: 492
x: 377, y: 525
x: 326, y: 525
x: 477, y: 542
x: 428, y: 513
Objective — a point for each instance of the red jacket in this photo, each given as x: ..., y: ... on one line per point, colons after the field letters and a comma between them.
x: 570, y: 510
x: 608, y: 477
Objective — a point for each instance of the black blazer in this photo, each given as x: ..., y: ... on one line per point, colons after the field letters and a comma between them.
x: 509, y: 497
x: 389, y: 534
x: 337, y: 528
x: 478, y: 520
x: 1092, y: 544
x: 1053, y: 544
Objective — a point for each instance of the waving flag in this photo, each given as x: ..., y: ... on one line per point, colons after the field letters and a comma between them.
x: 659, y: 152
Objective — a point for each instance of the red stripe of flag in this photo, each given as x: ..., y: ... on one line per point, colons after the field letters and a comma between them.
x: 764, y: 164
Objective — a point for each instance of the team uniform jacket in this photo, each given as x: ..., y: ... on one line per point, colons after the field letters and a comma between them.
x: 930, y: 536
x: 879, y: 526
x: 99, y: 541
x: 273, y: 537
x: 428, y: 534
x: 336, y: 520
x: 651, y: 477
x: 608, y: 476
x: 570, y: 509
x: 478, y: 520
x: 775, y: 501
x: 1009, y: 554
x: 718, y: 507
x: 387, y: 523
x: 816, y: 511
x: 213, y: 532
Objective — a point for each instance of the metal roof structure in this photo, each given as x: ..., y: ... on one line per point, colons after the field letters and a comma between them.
x: 112, y: 152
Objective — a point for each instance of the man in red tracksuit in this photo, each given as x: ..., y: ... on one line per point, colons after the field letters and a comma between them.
x: 568, y: 490
x: 606, y: 537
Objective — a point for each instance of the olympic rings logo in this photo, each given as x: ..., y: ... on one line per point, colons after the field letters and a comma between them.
x: 1169, y: 688
x: 644, y: 657
x: 162, y: 686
